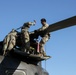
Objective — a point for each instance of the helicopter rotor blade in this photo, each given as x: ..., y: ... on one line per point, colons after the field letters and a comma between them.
x: 62, y: 24
x: 56, y: 26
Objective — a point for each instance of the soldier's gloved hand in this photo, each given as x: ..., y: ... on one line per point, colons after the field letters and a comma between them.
x: 35, y: 31
x: 35, y: 21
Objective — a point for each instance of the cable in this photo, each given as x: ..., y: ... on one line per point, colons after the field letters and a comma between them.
x: 45, y: 60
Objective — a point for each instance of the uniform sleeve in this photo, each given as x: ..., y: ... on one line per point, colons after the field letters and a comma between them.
x: 31, y: 23
x: 43, y: 27
x: 40, y: 29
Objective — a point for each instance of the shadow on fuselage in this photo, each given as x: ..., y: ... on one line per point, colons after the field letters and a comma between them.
x: 7, y: 62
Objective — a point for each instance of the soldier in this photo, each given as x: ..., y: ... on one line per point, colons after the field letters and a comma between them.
x: 9, y: 41
x: 45, y: 36
x: 25, y: 36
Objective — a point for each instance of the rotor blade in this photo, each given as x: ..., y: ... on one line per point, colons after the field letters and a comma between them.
x: 56, y: 26
x: 62, y: 24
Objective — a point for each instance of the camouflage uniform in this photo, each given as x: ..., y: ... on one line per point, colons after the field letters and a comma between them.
x: 25, y: 36
x: 45, y: 38
x: 9, y: 41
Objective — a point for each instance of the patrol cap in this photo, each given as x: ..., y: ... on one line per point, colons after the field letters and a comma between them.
x: 43, y: 20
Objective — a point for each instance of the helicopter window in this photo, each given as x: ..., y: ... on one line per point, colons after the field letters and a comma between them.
x: 17, y: 72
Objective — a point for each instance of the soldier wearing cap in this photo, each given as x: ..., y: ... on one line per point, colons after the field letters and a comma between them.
x: 25, y: 36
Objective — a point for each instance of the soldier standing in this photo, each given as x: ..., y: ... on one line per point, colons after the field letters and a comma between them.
x: 9, y: 41
x: 45, y: 36
x: 25, y: 35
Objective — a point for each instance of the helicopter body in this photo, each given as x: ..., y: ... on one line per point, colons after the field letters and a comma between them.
x: 20, y: 63
x: 14, y: 66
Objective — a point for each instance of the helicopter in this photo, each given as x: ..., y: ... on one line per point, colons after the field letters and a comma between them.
x: 17, y: 62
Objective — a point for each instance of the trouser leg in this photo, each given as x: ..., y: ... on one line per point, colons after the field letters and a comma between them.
x: 5, y: 44
x: 25, y: 41
x: 42, y: 43
x: 12, y: 42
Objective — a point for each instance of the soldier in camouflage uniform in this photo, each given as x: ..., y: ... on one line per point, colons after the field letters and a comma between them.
x: 25, y: 38
x: 9, y: 41
x: 45, y: 36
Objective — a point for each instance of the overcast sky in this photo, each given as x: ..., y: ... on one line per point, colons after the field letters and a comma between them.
x: 62, y: 44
